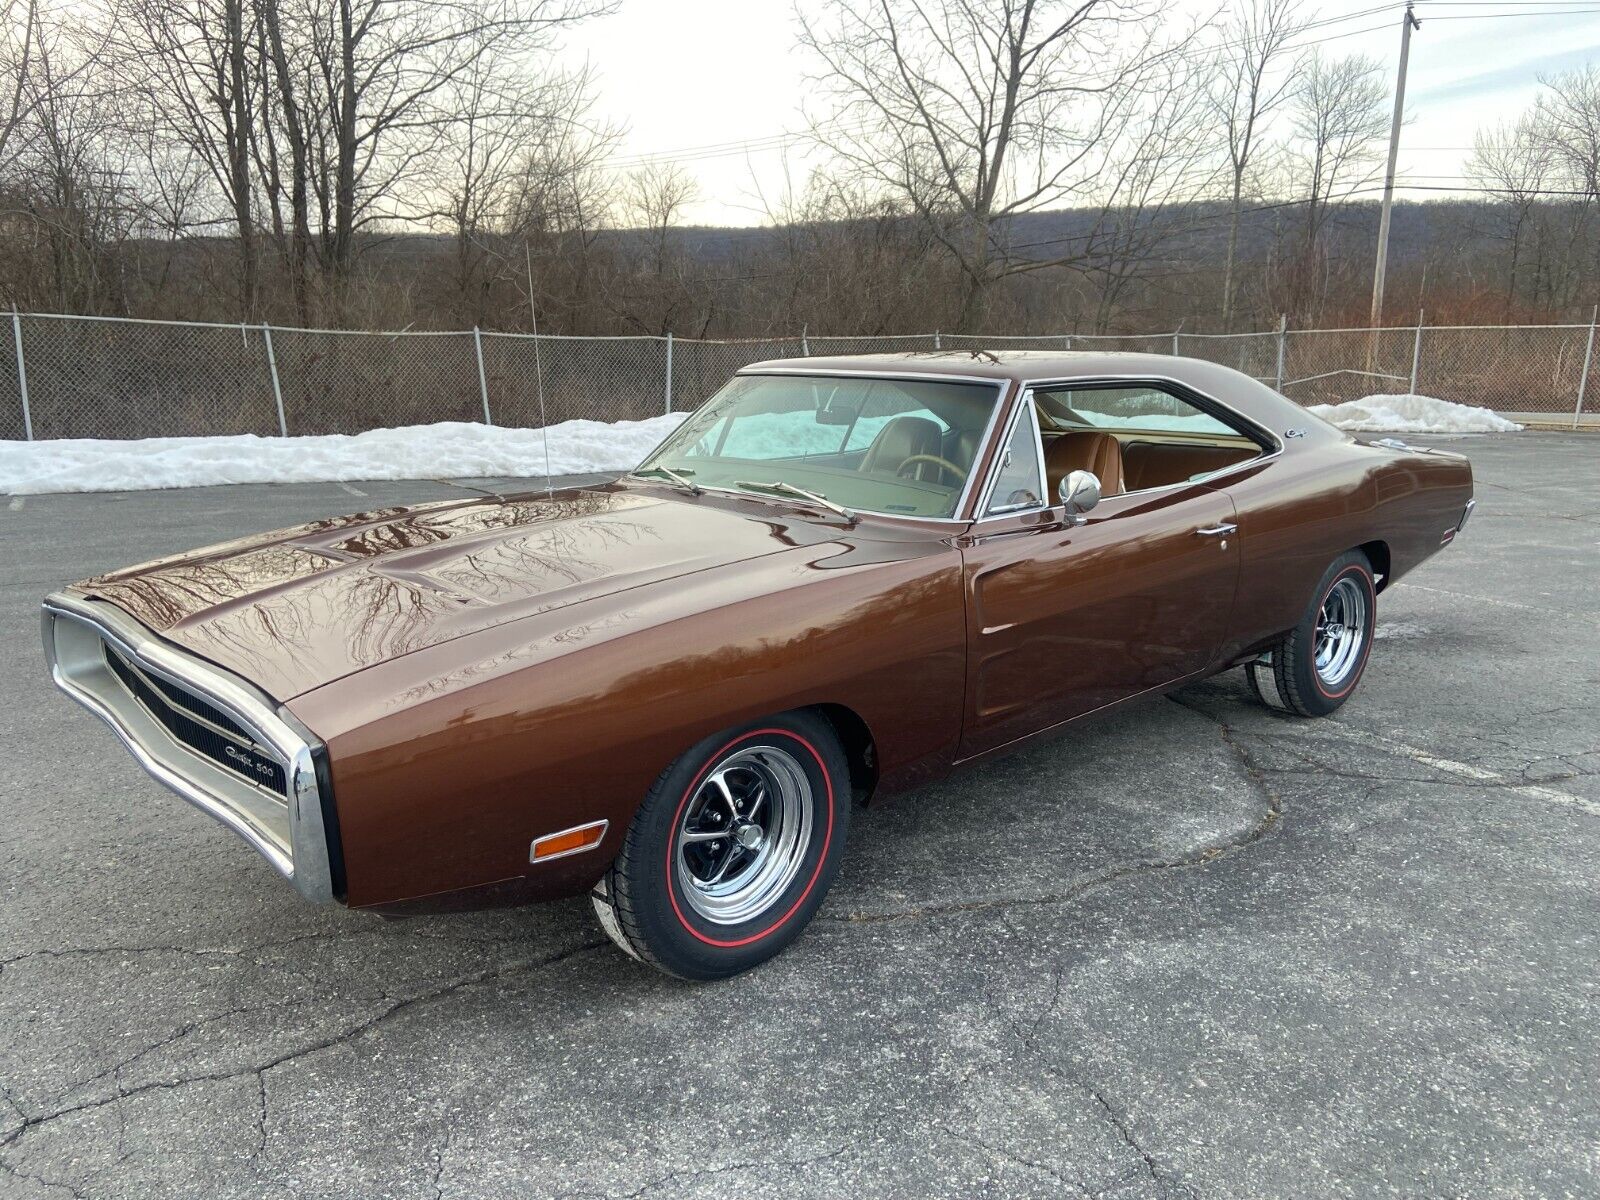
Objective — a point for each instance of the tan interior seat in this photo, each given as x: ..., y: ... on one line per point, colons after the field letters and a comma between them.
x: 897, y: 441
x: 1097, y: 452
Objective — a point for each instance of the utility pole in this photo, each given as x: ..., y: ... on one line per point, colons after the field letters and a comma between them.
x: 1407, y: 24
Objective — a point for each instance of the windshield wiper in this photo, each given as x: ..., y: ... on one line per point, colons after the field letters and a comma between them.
x: 694, y: 488
x: 779, y: 485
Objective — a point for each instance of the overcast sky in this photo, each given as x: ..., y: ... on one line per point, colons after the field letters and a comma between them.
x: 714, y: 85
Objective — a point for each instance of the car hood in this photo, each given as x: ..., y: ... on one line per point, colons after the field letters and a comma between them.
x: 301, y: 607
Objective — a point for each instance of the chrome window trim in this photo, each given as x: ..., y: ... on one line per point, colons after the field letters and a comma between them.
x: 298, y: 850
x: 1023, y: 405
x: 1002, y: 391
x: 1180, y: 386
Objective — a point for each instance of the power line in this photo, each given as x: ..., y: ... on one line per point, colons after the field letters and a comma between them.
x: 782, y: 140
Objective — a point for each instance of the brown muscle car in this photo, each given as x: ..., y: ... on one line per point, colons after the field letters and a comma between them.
x: 839, y: 577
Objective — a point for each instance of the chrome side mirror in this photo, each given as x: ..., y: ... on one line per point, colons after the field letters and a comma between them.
x: 1079, y: 492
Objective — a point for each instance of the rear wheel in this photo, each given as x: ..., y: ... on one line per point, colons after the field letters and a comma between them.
x: 1317, y: 666
x: 732, y: 850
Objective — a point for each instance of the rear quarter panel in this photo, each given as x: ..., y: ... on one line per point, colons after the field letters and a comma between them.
x: 447, y: 762
x: 1298, y: 512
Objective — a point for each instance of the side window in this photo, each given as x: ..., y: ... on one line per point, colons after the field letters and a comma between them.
x: 1018, y: 483
x: 1131, y: 408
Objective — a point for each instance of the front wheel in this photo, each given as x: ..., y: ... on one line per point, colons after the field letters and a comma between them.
x: 1317, y: 666
x: 732, y: 851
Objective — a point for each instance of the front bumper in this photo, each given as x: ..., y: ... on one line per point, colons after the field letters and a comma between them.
x: 250, y: 763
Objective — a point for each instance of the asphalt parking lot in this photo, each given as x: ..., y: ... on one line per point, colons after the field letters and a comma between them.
x: 1196, y: 949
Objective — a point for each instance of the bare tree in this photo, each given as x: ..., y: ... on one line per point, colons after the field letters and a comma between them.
x: 1570, y: 113
x: 1160, y: 172
x: 283, y: 102
x: 19, y: 32
x: 515, y: 167
x: 191, y: 59
x: 1516, y: 161
x: 1339, y: 125
x: 1251, y: 86
x: 384, y: 71
x: 659, y: 295
x: 975, y: 113
x: 77, y: 176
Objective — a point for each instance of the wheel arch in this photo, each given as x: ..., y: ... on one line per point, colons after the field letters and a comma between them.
x: 1377, y: 553
x: 860, y: 748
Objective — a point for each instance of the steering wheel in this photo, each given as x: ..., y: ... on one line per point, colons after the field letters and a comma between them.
x: 945, y: 463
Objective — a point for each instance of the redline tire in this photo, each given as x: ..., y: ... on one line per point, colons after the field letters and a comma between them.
x: 732, y: 850
x: 1319, y: 663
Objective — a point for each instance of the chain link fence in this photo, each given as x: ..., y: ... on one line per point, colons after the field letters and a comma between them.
x: 102, y: 377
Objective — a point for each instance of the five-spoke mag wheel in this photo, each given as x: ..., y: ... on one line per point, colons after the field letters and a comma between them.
x: 744, y: 834
x: 732, y: 850
x: 1341, y: 631
x: 1317, y: 665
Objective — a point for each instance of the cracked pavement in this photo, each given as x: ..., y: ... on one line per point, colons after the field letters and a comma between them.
x: 1194, y: 949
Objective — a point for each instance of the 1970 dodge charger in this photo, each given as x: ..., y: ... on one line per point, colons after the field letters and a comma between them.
x: 838, y: 577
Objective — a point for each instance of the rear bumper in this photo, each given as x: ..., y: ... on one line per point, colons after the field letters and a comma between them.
x: 266, y: 777
x: 1466, y: 515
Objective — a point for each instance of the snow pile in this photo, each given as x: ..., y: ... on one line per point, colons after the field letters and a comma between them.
x: 1411, y: 414
x: 450, y: 449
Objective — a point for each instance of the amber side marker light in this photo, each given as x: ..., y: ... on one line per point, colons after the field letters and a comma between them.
x: 568, y: 841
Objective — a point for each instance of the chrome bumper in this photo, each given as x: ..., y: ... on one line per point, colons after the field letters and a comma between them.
x: 1466, y: 515
x: 296, y: 831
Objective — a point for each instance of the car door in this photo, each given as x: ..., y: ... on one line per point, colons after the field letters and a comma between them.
x: 1067, y: 618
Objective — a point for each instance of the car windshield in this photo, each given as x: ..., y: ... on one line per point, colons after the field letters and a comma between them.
x: 898, y: 446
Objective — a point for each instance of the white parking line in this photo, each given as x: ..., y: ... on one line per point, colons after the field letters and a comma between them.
x: 16, y: 503
x: 1560, y: 612
x: 351, y: 490
x: 1468, y: 771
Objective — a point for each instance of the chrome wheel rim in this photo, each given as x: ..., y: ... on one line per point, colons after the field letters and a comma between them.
x: 743, y: 835
x: 1341, y: 631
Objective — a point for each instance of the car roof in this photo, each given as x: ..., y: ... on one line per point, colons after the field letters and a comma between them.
x: 1232, y: 388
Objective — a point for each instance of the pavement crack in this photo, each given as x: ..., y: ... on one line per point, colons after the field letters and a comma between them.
x: 41, y: 1181
x: 393, y: 1009
x: 439, y: 1154
x: 686, y: 1174
x: 1203, y: 856
x: 1164, y: 1185
x: 1010, y: 1156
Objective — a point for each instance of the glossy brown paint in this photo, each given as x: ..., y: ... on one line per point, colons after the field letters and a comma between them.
x: 487, y: 671
x: 1064, y: 620
x: 471, y: 749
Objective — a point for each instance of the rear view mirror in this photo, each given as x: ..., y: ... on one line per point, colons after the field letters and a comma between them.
x: 836, y: 414
x: 1079, y: 492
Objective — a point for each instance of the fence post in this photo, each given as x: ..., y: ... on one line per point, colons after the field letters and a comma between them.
x: 936, y: 344
x: 483, y: 380
x: 1583, y: 381
x: 1175, y: 334
x: 22, y: 374
x: 272, y: 369
x: 805, y: 343
x: 669, y: 371
x: 1283, y: 342
x: 1416, y: 351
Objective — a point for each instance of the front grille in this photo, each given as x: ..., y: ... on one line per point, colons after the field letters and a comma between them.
x: 200, y: 726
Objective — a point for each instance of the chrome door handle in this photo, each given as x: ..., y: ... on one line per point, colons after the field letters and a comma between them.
x: 1222, y: 530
